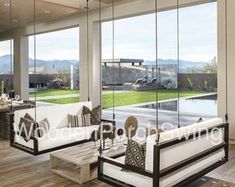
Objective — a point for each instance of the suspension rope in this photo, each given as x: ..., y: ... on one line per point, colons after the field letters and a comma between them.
x: 226, y: 57
x: 11, y: 46
x: 11, y: 56
x: 88, y: 66
x: 100, y: 148
x: 178, y: 62
x: 113, y: 54
x: 35, y: 56
x: 100, y: 51
x: 156, y: 74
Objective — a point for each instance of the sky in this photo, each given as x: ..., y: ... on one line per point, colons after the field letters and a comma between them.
x: 135, y: 37
x: 5, y: 48
x: 60, y: 45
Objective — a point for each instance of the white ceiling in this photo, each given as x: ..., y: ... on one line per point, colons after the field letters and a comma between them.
x: 22, y: 11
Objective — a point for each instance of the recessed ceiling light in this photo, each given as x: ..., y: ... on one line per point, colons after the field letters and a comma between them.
x: 7, y: 4
x: 47, y: 12
x: 15, y: 20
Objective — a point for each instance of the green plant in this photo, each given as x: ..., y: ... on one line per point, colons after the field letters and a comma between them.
x: 2, y: 87
x: 205, y: 85
x: 167, y: 82
x: 190, y: 83
x: 211, y: 67
x: 146, y: 77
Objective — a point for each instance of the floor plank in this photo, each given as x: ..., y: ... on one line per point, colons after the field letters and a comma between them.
x: 19, y: 169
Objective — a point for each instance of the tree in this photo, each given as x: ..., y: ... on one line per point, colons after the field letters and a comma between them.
x: 194, y: 70
x: 64, y: 75
x: 211, y: 67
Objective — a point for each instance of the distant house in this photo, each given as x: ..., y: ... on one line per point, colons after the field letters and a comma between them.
x: 45, y: 70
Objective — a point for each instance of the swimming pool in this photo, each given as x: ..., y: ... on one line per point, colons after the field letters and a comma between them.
x: 205, y: 105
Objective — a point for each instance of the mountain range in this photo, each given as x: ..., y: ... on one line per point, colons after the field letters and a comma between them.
x: 50, y: 64
x: 183, y: 64
x: 65, y: 64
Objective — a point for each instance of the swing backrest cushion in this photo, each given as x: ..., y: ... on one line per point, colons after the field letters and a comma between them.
x: 179, y: 152
x: 56, y: 115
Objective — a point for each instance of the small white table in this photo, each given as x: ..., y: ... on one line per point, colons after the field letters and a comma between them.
x: 79, y: 163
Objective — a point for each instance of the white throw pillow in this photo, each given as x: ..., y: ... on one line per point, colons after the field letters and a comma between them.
x: 79, y: 120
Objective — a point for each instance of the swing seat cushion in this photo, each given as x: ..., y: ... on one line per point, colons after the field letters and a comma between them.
x: 59, y: 137
x: 56, y: 115
x: 186, y: 149
x: 138, y: 180
x: 59, y: 134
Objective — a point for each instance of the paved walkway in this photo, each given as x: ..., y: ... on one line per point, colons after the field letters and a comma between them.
x: 56, y: 97
x: 147, y: 117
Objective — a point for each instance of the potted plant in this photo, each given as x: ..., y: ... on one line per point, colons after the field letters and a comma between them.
x: 168, y: 83
x: 190, y: 84
x: 205, y: 85
x: 2, y: 87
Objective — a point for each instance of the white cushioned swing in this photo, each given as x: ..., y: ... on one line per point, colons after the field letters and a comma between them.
x: 59, y: 135
x: 173, y: 155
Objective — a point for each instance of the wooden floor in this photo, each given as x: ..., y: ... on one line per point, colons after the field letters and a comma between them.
x: 19, y: 169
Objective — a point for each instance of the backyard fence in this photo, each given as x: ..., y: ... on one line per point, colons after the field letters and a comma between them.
x: 198, y: 81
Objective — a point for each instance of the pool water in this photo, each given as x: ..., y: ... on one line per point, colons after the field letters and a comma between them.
x: 205, y: 105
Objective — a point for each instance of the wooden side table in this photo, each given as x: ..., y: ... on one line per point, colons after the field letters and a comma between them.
x: 79, y: 163
x: 4, y: 123
x: 5, y: 119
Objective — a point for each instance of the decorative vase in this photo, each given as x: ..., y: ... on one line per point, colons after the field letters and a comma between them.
x: 2, y: 102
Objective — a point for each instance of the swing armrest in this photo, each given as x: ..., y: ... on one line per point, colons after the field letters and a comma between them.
x: 24, y: 136
x: 114, y: 162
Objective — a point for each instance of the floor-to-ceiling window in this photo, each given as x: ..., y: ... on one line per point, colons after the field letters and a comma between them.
x: 6, y: 65
x: 55, y: 73
x: 186, y: 66
x: 198, y: 65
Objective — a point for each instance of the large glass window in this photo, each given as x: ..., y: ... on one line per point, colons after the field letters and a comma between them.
x: 198, y: 62
x: 6, y: 65
x: 56, y: 75
x: 134, y: 75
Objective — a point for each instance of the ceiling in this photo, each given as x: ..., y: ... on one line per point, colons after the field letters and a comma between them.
x: 20, y: 13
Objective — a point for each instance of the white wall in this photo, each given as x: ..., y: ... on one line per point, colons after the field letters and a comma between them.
x: 21, y: 78
x: 222, y: 62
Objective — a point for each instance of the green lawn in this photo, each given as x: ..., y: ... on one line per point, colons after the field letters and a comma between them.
x: 129, y: 98
x: 53, y: 92
x: 62, y: 100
